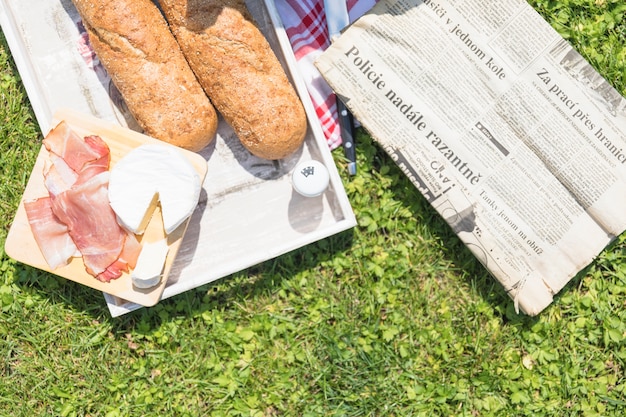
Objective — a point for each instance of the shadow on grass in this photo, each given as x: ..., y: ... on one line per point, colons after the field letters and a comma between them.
x: 233, y: 290
x: 223, y: 293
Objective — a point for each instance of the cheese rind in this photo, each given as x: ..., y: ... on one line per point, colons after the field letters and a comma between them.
x: 150, y: 175
x: 149, y: 268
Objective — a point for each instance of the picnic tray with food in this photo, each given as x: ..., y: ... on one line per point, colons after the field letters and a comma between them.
x: 126, y: 76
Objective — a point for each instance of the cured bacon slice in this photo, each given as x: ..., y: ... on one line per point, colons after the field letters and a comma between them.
x: 51, y: 235
x: 93, y: 168
x: 58, y: 176
x: 128, y: 259
x: 91, y: 222
x: 76, y: 152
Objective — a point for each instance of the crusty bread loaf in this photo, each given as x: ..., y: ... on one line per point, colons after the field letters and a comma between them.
x: 133, y: 41
x: 240, y: 73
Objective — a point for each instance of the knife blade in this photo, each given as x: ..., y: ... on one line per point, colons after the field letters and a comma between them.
x: 336, y: 17
x: 336, y: 20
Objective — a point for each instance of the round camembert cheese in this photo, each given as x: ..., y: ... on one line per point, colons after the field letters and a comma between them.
x: 150, y: 175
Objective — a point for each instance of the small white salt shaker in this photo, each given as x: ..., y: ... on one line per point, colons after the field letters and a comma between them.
x: 310, y: 178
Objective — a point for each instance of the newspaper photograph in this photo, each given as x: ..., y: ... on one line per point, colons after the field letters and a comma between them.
x: 505, y: 129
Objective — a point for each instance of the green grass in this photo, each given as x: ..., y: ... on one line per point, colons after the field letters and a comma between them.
x: 392, y: 318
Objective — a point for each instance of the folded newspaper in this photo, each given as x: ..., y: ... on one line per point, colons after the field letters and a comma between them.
x: 503, y: 127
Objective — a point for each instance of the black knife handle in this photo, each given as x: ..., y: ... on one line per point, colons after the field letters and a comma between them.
x: 346, y: 125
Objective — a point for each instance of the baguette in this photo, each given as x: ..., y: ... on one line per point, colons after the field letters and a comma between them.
x: 240, y: 73
x: 133, y: 41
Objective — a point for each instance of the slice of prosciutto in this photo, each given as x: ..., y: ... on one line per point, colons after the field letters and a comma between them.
x: 74, y: 150
x: 58, y: 176
x: 91, y: 222
x: 98, y: 165
x: 127, y: 259
x: 51, y: 235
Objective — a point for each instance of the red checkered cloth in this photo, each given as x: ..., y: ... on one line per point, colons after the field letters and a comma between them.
x: 305, y: 24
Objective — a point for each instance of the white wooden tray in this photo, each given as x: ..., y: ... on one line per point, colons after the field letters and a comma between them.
x: 248, y: 211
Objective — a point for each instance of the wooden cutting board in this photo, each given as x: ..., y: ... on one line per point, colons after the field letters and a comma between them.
x: 21, y: 245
